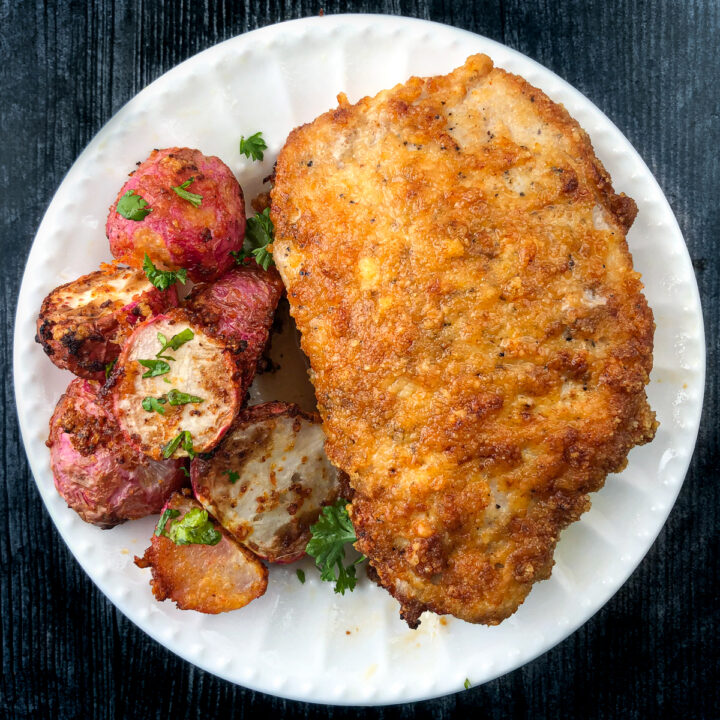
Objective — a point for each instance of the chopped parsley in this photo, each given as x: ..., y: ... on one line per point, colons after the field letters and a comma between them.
x: 195, y: 528
x: 175, y: 341
x: 466, y: 684
x: 184, y: 439
x: 133, y: 206
x: 300, y: 575
x: 109, y: 368
x: 233, y: 477
x: 152, y: 404
x: 253, y: 146
x: 259, y: 234
x: 329, y: 535
x: 162, y: 522
x: 183, y: 192
x: 186, y: 471
x: 175, y: 397
x: 155, y: 367
x: 162, y: 279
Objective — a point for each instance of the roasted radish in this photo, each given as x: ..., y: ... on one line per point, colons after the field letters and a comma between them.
x: 96, y: 472
x: 181, y: 208
x: 239, y: 308
x: 175, y: 388
x: 83, y: 324
x: 197, y: 564
x: 268, y: 479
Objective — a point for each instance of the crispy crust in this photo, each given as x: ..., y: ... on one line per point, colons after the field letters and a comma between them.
x: 455, y: 258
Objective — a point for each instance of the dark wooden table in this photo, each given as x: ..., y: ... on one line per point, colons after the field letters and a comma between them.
x: 653, y: 67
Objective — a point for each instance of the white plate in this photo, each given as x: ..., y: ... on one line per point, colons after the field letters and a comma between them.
x: 302, y: 641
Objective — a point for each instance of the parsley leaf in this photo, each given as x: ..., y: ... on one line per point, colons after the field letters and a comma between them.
x: 162, y: 522
x: 155, y: 367
x: 183, y: 437
x: 175, y: 341
x: 162, y: 279
x: 327, y: 545
x: 192, y: 198
x: 195, y: 528
x: 109, y: 368
x: 186, y: 471
x: 466, y: 684
x: 253, y: 147
x: 175, y: 397
x: 300, y: 575
x: 233, y: 477
x: 133, y: 206
x: 259, y: 234
x: 152, y: 404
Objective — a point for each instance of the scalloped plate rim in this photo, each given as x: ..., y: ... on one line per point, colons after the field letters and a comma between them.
x: 333, y: 23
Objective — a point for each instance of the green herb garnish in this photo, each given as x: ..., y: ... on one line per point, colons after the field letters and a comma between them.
x: 183, y: 437
x: 152, y: 404
x: 300, y: 575
x: 155, y: 367
x: 329, y: 535
x: 133, y: 206
x: 259, y: 234
x: 109, y: 367
x: 162, y: 279
x: 186, y: 471
x: 182, y: 191
x: 466, y: 684
x: 233, y: 477
x: 167, y: 515
x: 195, y: 528
x: 175, y: 341
x: 253, y: 147
x: 175, y: 397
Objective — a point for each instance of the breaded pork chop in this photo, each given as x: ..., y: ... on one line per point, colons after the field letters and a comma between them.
x: 455, y: 259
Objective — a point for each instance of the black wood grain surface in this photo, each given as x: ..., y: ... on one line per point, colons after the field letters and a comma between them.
x: 653, y: 67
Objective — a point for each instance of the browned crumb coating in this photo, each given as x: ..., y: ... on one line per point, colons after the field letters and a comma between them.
x: 455, y: 258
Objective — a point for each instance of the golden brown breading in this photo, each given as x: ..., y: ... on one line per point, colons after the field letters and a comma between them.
x: 455, y: 258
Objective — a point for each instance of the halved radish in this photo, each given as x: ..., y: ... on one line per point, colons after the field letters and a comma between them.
x: 83, y: 324
x: 209, y: 578
x: 239, y: 309
x: 96, y: 472
x: 175, y: 388
x: 268, y: 479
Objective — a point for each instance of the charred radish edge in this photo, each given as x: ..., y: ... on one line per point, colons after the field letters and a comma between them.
x: 82, y: 324
x: 268, y: 480
x: 197, y: 564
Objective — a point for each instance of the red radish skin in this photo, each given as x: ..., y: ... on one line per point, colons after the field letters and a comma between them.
x: 176, y: 234
x: 239, y: 309
x: 99, y: 476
